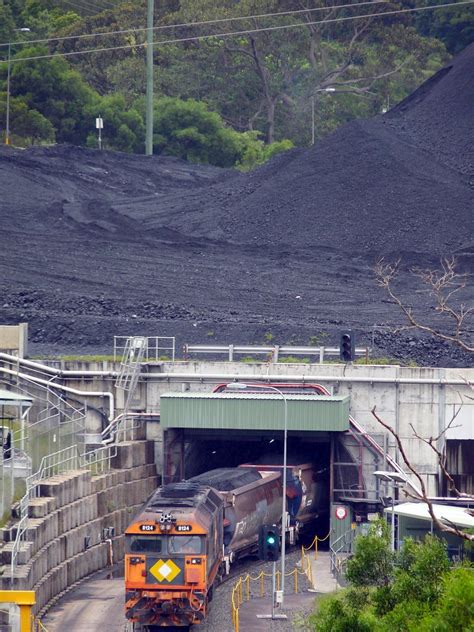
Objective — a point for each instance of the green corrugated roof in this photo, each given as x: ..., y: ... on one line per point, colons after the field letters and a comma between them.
x: 254, y: 411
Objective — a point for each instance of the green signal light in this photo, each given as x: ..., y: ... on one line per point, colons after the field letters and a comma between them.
x: 271, y: 540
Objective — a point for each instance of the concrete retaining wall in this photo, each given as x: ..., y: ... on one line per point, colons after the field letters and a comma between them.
x: 65, y: 538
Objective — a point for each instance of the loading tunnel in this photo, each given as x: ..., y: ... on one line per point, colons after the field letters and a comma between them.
x: 204, y: 431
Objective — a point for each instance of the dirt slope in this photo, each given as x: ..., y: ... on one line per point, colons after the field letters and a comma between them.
x: 96, y: 244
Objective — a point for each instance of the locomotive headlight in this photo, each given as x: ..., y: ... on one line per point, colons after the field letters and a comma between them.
x: 196, y: 560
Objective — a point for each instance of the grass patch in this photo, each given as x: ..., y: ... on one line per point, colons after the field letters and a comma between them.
x: 294, y: 360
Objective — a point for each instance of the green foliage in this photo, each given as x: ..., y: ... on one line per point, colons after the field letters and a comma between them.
x: 71, y: 118
x: 124, y: 129
x: 416, y: 592
x: 455, y: 611
x: 455, y: 28
x: 26, y: 125
x: 254, y: 152
x: 373, y: 560
x: 426, y: 565
x: 57, y: 92
x: 226, y: 101
x: 188, y: 129
x: 336, y: 614
x: 7, y: 23
x: 405, y: 616
x: 293, y: 360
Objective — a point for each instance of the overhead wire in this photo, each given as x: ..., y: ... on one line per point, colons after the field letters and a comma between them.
x: 243, y: 32
x: 93, y: 4
x: 200, y: 23
x: 83, y: 5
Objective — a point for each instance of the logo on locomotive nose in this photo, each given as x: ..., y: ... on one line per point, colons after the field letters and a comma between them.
x: 165, y: 571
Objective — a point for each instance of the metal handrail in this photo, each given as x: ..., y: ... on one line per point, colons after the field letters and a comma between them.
x: 154, y: 346
x: 97, y: 461
x: 335, y: 562
x: 275, y: 351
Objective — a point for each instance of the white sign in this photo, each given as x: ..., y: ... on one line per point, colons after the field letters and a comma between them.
x: 99, y: 123
x: 341, y: 513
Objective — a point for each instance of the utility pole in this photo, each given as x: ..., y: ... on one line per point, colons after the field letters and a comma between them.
x: 312, y: 121
x: 7, y: 130
x: 149, y: 79
x: 24, y: 29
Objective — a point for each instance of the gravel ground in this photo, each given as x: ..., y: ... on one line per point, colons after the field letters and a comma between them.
x: 97, y: 244
x: 220, y: 617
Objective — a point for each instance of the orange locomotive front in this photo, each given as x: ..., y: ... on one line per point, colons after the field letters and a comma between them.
x: 173, y: 555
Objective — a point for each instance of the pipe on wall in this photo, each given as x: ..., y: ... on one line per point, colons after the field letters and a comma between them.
x: 66, y: 389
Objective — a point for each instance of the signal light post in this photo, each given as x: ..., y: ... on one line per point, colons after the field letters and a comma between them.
x: 347, y: 346
x: 269, y: 551
x: 237, y: 386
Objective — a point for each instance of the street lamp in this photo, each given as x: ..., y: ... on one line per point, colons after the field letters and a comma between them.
x: 242, y: 386
x: 398, y: 480
x: 25, y: 29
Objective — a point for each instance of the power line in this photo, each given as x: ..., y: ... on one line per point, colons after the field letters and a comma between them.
x: 245, y: 32
x: 89, y: 5
x: 83, y: 5
x: 202, y: 23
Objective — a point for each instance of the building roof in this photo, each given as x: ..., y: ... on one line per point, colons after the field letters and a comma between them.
x: 9, y: 398
x: 447, y: 514
x: 254, y: 411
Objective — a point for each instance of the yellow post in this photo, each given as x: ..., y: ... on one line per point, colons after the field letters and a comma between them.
x: 296, y: 580
x: 248, y: 587
x: 316, y: 548
x: 262, y: 584
x: 23, y: 598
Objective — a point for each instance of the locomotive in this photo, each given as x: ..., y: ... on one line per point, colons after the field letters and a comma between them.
x: 173, y: 554
x: 187, y: 534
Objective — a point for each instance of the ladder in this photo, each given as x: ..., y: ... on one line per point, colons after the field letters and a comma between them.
x: 127, y: 379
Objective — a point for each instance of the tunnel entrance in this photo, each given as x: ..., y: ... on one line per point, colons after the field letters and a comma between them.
x: 191, y: 453
x: 205, y: 431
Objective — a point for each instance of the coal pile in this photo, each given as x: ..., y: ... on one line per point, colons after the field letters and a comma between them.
x: 97, y: 244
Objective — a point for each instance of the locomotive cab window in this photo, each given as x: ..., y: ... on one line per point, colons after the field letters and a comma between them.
x: 145, y: 544
x: 186, y: 544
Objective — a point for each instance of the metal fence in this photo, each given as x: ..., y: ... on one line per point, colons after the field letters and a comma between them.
x: 156, y: 347
x: 339, y: 552
x: 274, y: 353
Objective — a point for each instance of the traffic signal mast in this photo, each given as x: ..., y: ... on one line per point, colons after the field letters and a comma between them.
x: 269, y: 543
x: 347, y: 346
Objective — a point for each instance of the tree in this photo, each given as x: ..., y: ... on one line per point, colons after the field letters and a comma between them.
x: 187, y: 129
x: 422, y: 594
x: 27, y: 124
x: 372, y: 563
x: 265, y: 79
x: 432, y: 442
x: 59, y: 93
x: 445, y: 288
x: 7, y: 23
x: 455, y: 27
x: 124, y: 129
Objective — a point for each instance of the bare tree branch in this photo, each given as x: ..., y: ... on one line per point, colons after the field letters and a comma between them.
x: 442, y: 286
x: 441, y: 525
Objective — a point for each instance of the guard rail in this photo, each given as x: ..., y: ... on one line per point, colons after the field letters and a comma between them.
x: 275, y: 352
